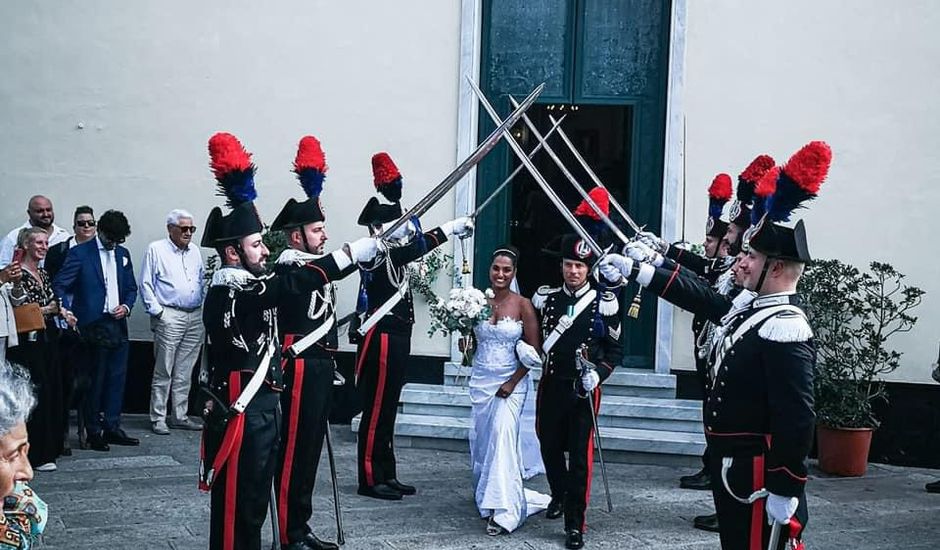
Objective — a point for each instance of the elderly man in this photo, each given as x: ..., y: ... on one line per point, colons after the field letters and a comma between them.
x: 172, y: 291
x: 97, y: 281
x: 39, y: 210
x: 24, y: 513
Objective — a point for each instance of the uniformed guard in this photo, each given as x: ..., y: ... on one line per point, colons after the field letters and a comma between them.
x: 308, y: 327
x: 759, y: 418
x: 388, y: 308
x: 241, y: 375
x: 574, y: 317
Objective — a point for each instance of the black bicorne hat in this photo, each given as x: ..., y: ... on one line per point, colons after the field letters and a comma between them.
x: 780, y: 242
x: 376, y: 213
x: 234, y: 173
x: 242, y: 221
x: 573, y: 247
x: 298, y: 213
x: 716, y: 227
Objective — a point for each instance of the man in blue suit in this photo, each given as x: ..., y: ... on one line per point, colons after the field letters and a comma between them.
x: 99, y: 278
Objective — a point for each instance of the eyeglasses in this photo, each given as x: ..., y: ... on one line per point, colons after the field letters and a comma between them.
x: 86, y: 223
x: 186, y: 228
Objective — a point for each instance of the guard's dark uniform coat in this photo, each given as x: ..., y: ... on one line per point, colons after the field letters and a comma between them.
x: 308, y: 381
x: 563, y: 415
x: 759, y: 412
x: 382, y: 359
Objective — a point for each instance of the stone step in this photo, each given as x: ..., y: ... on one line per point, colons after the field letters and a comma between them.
x: 619, y: 444
x: 616, y: 411
x: 623, y: 381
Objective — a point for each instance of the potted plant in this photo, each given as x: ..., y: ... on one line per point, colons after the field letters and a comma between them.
x: 853, y: 314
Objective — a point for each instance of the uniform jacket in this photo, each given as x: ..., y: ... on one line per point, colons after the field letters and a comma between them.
x: 605, y: 351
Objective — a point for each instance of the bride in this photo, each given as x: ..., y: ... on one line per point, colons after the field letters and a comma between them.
x: 503, y: 446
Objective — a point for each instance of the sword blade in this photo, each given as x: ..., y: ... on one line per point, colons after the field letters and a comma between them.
x: 574, y: 182
x: 275, y: 524
x: 577, y: 155
x: 515, y: 172
x: 340, y: 534
x: 475, y: 157
x: 600, y: 452
x: 536, y: 175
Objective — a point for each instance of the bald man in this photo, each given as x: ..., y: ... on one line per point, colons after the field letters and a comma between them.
x: 40, y: 214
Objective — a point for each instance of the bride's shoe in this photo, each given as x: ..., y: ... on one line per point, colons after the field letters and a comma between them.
x: 493, y: 529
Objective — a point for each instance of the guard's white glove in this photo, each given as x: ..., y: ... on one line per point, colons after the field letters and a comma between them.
x: 780, y: 509
x: 641, y: 252
x: 404, y: 232
x: 622, y: 264
x: 364, y: 249
x: 527, y: 355
x: 610, y: 272
x: 653, y: 241
x: 461, y: 227
x: 590, y: 380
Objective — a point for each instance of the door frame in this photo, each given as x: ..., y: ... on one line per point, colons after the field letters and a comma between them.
x: 471, y: 38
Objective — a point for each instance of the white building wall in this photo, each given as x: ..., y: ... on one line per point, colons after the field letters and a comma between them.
x: 151, y: 81
x: 769, y: 76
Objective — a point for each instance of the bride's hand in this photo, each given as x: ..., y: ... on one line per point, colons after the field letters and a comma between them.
x: 506, y: 389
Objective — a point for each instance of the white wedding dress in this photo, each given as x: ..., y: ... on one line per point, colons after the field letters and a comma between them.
x: 504, y: 449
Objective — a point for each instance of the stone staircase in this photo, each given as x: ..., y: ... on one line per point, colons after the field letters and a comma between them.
x: 640, y: 420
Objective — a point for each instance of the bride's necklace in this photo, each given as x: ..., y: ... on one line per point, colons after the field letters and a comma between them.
x: 499, y: 303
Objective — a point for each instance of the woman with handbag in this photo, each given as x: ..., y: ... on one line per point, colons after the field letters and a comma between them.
x: 36, y: 310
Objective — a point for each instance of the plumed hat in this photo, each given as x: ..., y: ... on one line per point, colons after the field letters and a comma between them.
x: 376, y: 213
x: 719, y: 193
x: 740, y: 214
x: 235, y: 177
x: 310, y: 167
x: 590, y: 219
x: 386, y: 177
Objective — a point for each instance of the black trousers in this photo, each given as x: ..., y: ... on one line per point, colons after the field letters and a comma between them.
x: 563, y: 424
x: 744, y: 526
x: 242, y: 488
x: 305, y: 405
x: 380, y: 374
x: 701, y: 375
x: 38, y: 353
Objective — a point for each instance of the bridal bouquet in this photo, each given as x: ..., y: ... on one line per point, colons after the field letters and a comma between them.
x: 463, y: 309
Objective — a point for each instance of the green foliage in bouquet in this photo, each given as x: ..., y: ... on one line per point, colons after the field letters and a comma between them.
x: 853, y: 314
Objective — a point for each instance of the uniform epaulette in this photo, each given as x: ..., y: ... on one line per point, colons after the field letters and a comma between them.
x: 786, y: 326
x: 608, y: 305
x: 542, y: 294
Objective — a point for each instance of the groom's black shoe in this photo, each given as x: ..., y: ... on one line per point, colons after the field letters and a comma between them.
x: 380, y: 491
x: 574, y: 539
x: 401, y: 487
x: 556, y: 508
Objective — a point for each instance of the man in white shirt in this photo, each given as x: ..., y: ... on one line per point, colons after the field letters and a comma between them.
x: 171, y: 287
x: 41, y: 215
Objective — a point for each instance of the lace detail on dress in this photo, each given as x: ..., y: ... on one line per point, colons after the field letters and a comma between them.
x: 496, y: 342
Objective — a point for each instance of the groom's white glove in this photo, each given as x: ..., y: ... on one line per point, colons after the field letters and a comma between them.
x: 780, y: 509
x: 640, y: 252
x: 460, y: 227
x: 527, y: 355
x: 590, y: 380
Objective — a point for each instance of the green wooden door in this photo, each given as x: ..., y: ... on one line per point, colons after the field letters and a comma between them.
x: 599, y: 52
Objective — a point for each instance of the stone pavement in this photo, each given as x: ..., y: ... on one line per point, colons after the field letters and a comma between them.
x: 146, y: 497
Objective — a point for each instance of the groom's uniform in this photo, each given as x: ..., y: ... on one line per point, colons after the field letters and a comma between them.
x: 573, y: 320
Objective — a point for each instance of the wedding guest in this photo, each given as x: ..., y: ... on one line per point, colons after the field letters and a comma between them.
x: 40, y: 214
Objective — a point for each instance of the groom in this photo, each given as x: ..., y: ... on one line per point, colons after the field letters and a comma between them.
x: 574, y: 317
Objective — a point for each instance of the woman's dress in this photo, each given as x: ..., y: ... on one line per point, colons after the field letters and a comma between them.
x: 503, y: 447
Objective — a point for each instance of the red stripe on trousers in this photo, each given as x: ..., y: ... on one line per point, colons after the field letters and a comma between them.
x: 590, y: 457
x: 757, y: 509
x: 231, y: 469
x: 376, y: 408
x: 286, y: 470
x: 365, y: 349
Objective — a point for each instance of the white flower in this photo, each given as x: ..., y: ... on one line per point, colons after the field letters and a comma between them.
x: 489, y: 293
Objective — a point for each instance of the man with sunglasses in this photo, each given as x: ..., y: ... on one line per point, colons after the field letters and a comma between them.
x: 97, y: 282
x: 171, y: 288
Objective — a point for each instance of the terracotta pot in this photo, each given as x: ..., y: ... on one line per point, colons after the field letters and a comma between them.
x: 843, y: 451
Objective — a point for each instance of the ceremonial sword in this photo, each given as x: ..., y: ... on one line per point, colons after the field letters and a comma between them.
x: 536, y: 175
x: 458, y: 173
x: 585, y: 365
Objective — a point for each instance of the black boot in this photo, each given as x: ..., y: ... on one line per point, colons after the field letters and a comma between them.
x: 401, y: 487
x: 706, y: 523
x: 933, y: 487
x: 312, y: 541
x: 556, y: 508
x: 380, y: 491
x: 574, y: 539
x: 702, y: 481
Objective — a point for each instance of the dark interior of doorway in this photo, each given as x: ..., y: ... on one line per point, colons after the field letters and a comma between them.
x: 603, y: 136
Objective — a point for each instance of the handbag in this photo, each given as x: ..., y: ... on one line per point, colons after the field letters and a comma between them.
x: 28, y: 318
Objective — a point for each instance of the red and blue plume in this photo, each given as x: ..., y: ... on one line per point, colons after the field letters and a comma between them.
x: 800, y: 180
x: 386, y: 176
x: 748, y: 179
x: 233, y: 169
x: 310, y: 166
x: 765, y: 187
x: 719, y: 193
